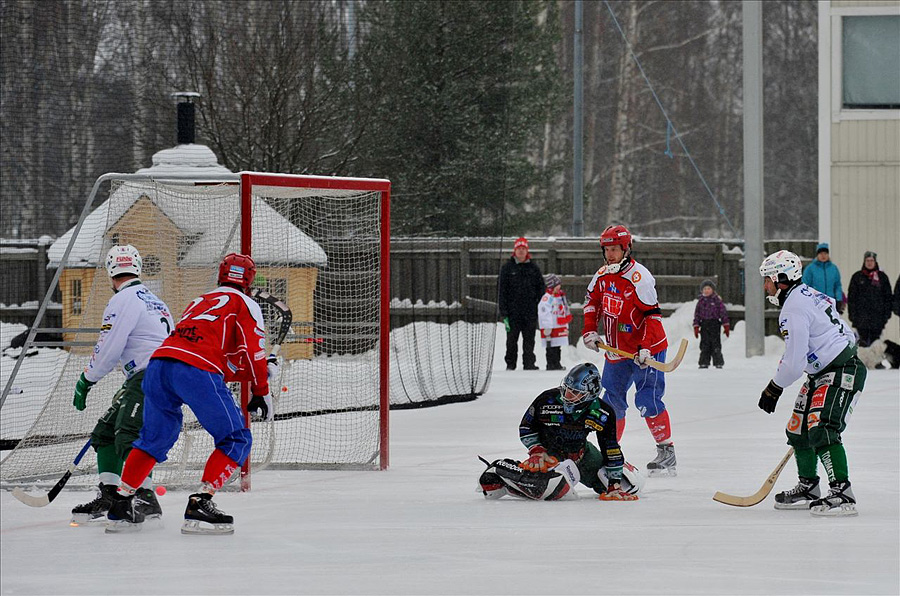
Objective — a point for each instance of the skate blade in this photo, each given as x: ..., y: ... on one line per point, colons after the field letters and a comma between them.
x: 661, y: 472
x: 87, y: 520
x: 845, y: 510
x: 801, y: 505
x: 193, y: 526
x: 120, y: 526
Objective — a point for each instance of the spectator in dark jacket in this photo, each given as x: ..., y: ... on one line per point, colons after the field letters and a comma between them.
x: 869, y: 300
x: 709, y: 315
x: 823, y: 275
x: 520, y: 288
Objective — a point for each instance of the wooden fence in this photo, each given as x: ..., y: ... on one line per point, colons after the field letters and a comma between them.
x: 464, y: 271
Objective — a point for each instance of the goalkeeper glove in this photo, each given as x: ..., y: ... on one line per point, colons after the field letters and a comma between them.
x: 769, y: 397
x: 82, y: 387
x: 539, y: 460
x: 615, y: 493
x: 263, y: 403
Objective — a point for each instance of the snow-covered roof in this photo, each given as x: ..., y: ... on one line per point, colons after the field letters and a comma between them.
x: 281, y: 243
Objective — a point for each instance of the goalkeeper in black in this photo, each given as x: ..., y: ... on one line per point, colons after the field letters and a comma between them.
x: 556, y: 427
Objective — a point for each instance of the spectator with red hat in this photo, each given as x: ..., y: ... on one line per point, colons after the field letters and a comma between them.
x: 520, y: 289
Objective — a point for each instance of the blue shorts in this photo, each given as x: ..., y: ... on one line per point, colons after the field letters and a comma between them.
x: 167, y: 385
x: 649, y: 385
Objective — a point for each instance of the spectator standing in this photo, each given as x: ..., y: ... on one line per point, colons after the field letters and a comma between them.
x: 554, y: 317
x: 520, y: 288
x: 869, y: 300
x: 823, y: 275
x: 709, y: 315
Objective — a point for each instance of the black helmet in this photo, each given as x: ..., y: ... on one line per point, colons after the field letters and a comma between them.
x: 581, y: 384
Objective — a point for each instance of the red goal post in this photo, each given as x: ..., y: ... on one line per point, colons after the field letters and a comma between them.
x: 350, y: 219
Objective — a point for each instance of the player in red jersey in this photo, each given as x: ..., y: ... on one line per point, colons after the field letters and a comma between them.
x: 621, y: 303
x: 220, y: 337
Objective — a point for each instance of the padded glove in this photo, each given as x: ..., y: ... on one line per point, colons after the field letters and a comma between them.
x: 615, y: 493
x: 263, y: 403
x: 590, y: 340
x: 727, y: 329
x: 506, y: 323
x: 82, y: 387
x: 642, y: 356
x: 769, y: 397
x: 538, y: 460
x: 272, y: 367
x: 696, y: 331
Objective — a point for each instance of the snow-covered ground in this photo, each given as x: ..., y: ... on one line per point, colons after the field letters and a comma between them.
x: 421, y: 528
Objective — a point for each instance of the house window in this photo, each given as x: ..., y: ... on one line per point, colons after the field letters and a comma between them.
x: 151, y: 265
x: 870, y: 55
x: 76, y: 296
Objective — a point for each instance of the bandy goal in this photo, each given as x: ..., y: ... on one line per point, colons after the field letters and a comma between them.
x: 321, y: 247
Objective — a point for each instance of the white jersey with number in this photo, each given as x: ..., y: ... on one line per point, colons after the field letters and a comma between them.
x: 814, y: 334
x: 135, y: 323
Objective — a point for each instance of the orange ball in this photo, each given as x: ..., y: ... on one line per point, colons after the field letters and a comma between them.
x: 160, y: 490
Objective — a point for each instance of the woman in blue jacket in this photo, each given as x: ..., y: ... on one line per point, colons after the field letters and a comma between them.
x: 823, y: 275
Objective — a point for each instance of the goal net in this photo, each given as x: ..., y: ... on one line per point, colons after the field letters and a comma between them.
x: 321, y: 245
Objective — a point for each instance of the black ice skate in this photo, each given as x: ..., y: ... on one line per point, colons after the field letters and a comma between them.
x: 664, y: 464
x: 203, y: 517
x: 94, y: 510
x: 124, y: 515
x: 799, y: 497
x: 145, y: 501
x: 839, y: 502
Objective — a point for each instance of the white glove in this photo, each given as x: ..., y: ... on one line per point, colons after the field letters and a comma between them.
x: 263, y: 403
x: 590, y: 340
x: 272, y: 367
x: 642, y: 357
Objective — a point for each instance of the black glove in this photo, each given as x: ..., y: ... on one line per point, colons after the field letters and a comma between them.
x: 769, y: 397
x: 263, y: 403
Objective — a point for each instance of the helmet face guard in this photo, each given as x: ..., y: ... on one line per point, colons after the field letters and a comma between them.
x: 782, y: 267
x: 581, y: 385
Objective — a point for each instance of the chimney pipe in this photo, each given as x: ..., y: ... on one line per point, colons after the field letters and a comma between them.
x: 186, y: 126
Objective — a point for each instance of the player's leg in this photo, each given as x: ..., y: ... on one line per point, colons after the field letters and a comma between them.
x: 807, y: 488
x: 650, y: 386
x: 616, y: 380
x: 529, y: 330
x: 129, y: 421
x: 220, y: 416
x: 831, y: 406
x: 109, y: 466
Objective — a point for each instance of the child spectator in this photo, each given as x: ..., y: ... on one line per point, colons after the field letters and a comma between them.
x: 709, y: 314
x: 553, y: 318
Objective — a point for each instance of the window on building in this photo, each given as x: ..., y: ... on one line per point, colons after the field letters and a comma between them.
x: 870, y: 48
x: 76, y: 296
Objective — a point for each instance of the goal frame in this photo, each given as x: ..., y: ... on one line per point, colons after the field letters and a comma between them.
x: 250, y: 179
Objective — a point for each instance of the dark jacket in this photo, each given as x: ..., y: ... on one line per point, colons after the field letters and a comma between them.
x: 869, y: 304
x: 520, y: 289
x: 710, y: 307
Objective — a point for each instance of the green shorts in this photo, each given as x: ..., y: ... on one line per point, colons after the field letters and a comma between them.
x: 825, y: 404
x: 121, y: 423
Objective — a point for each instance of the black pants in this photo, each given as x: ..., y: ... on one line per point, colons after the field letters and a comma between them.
x: 868, y: 335
x: 710, y: 343
x: 526, y: 329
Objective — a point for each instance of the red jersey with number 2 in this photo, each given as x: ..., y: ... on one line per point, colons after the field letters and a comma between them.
x: 223, y: 332
x: 625, y: 308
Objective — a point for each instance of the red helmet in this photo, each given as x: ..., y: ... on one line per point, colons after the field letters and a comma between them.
x: 616, y: 236
x: 238, y: 270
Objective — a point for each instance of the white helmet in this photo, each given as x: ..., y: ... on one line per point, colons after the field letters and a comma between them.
x: 781, y: 267
x: 123, y: 259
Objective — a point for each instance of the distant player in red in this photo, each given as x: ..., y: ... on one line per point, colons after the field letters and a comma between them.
x: 220, y: 337
x: 621, y: 303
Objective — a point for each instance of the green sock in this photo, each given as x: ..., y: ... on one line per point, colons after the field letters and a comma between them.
x: 108, y: 460
x: 834, y: 458
x: 806, y: 462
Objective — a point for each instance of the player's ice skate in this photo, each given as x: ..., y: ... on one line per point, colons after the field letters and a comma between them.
x: 96, y: 510
x: 203, y: 517
x: 124, y: 515
x: 664, y: 464
x: 839, y: 502
x: 145, y: 501
x: 799, y: 497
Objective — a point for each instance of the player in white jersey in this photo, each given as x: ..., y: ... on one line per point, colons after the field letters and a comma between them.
x: 820, y: 343
x: 134, y: 324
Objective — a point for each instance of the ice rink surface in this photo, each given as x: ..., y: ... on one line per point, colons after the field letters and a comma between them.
x: 421, y: 528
